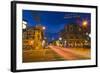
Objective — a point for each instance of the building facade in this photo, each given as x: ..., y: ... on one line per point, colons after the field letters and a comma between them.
x: 33, y: 37
x: 73, y: 35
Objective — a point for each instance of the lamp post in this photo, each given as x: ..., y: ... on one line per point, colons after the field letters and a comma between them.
x: 60, y: 39
x: 43, y: 28
x: 25, y: 26
x: 85, y: 25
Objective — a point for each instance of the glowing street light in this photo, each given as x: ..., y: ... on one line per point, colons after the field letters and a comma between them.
x: 60, y: 38
x: 44, y: 28
x: 84, y: 23
x: 24, y: 24
x: 89, y: 35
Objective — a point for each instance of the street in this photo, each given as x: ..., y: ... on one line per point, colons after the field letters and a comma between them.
x: 55, y: 53
x: 70, y: 54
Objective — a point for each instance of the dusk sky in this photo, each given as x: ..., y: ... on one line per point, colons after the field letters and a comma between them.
x: 54, y: 21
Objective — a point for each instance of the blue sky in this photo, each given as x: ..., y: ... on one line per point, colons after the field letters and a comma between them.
x: 54, y: 21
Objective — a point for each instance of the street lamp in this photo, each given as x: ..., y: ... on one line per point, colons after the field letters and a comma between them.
x: 89, y: 35
x: 24, y: 24
x: 44, y: 28
x: 84, y: 23
x: 60, y: 38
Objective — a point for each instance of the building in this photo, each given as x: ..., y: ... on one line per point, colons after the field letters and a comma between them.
x: 73, y: 35
x: 32, y: 37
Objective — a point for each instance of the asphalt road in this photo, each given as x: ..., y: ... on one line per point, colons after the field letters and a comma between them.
x: 68, y: 53
x: 56, y: 53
